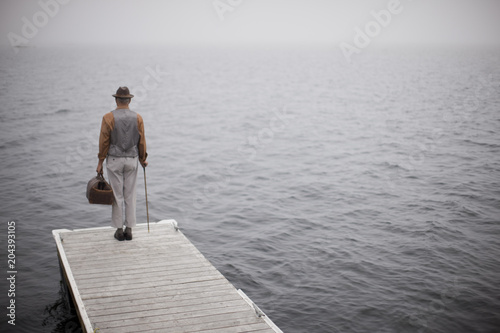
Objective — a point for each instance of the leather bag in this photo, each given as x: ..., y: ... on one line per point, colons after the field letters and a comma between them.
x: 99, y: 191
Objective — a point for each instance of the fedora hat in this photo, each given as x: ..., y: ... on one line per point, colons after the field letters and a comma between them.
x: 123, y: 92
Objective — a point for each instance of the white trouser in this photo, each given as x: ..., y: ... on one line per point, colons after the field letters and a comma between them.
x: 122, y: 173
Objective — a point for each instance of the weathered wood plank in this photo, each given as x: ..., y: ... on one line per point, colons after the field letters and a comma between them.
x: 124, y: 251
x: 179, y: 323
x: 137, y: 260
x: 144, y: 269
x: 156, y: 284
x: 137, y: 241
x: 135, y: 279
x: 166, y: 306
x: 107, y: 246
x: 199, y: 297
x: 150, y: 295
x: 157, y: 290
x: 250, y: 328
x: 83, y: 267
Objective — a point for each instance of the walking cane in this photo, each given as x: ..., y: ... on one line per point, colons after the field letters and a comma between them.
x: 146, y: 190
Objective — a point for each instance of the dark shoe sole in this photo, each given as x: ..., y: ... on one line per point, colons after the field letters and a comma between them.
x: 128, y: 236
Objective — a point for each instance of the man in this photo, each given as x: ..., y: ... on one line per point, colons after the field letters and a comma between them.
x: 123, y: 144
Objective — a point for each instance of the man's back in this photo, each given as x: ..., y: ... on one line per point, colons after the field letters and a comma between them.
x: 125, y: 135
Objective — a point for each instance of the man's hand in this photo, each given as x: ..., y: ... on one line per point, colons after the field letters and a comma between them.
x: 99, y: 167
x: 144, y: 164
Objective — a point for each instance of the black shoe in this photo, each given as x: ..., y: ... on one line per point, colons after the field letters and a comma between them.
x: 119, y: 234
x: 128, y: 233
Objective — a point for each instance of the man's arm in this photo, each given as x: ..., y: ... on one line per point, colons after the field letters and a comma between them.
x: 107, y: 125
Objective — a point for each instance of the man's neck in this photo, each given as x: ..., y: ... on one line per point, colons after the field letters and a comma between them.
x: 122, y: 107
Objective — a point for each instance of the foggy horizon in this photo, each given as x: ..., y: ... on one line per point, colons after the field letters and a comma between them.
x: 189, y: 22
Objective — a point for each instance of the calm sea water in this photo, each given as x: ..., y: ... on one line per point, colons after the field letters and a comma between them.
x: 340, y: 197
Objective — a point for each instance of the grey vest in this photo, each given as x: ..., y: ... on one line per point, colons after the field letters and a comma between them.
x: 125, y: 135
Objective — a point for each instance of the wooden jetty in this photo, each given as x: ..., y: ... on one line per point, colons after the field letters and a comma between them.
x: 158, y: 282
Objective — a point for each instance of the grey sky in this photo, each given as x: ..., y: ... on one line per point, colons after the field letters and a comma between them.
x: 250, y: 21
